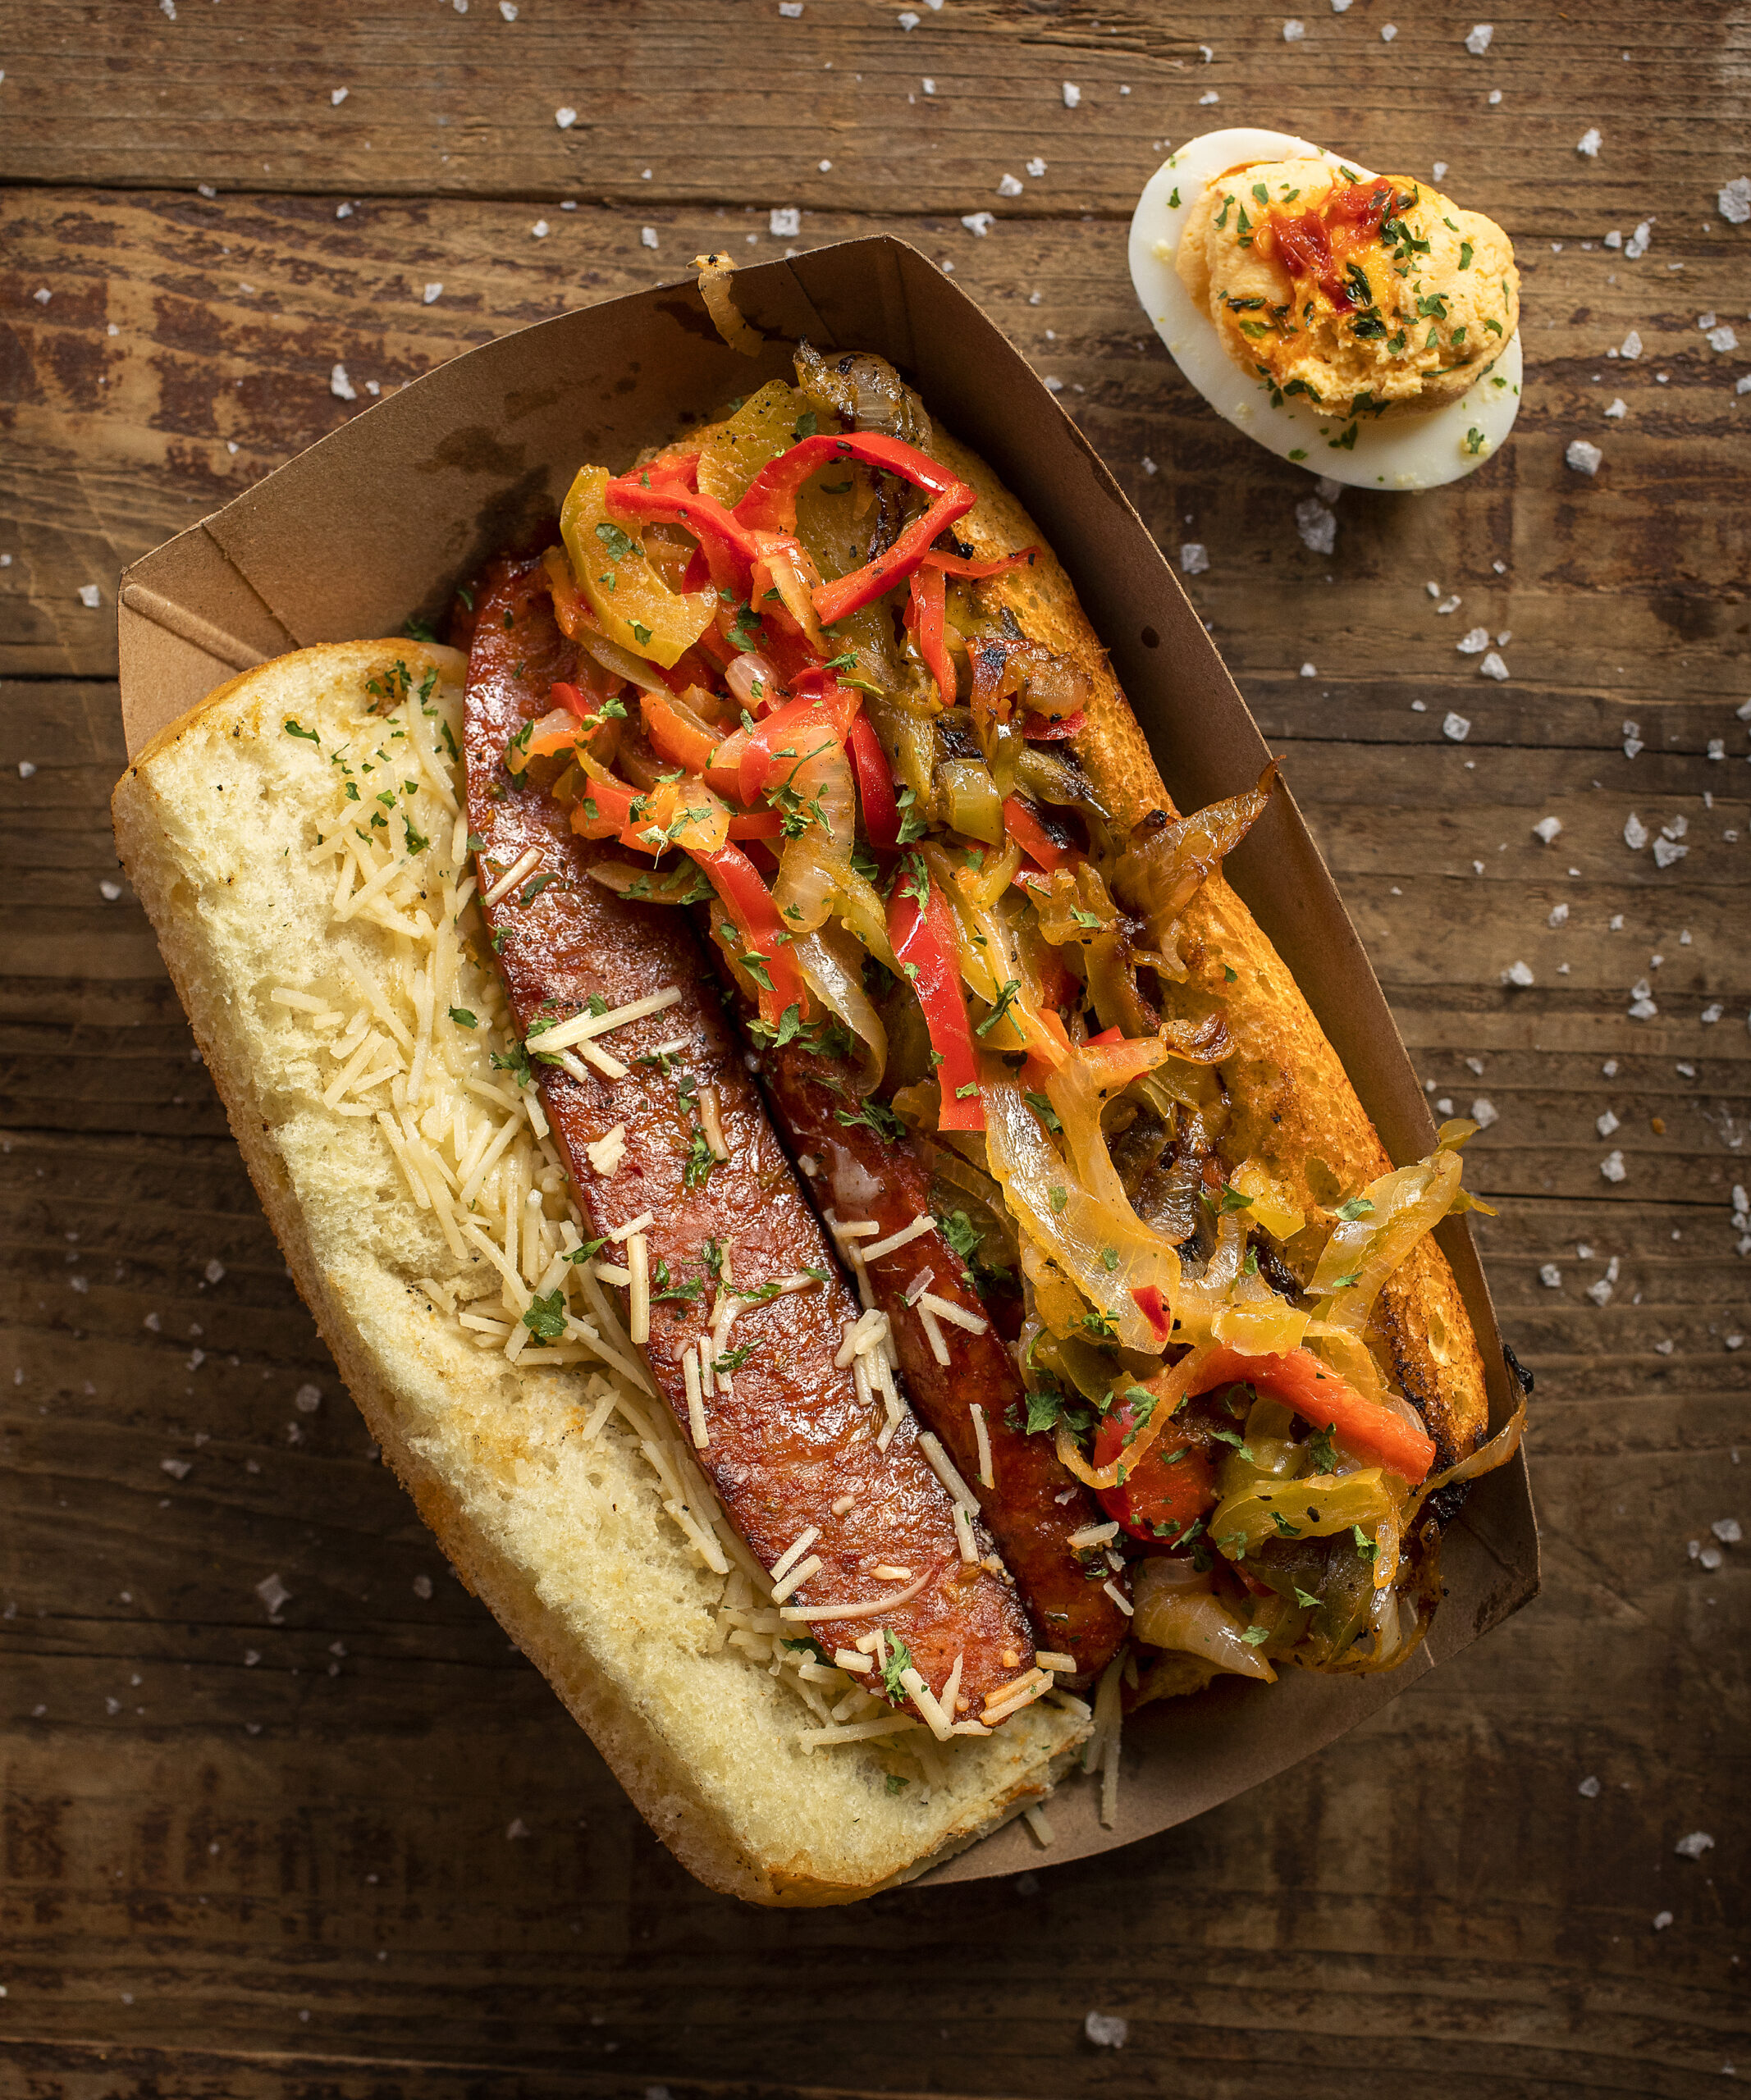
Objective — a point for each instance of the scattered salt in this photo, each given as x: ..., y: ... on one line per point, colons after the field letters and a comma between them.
x: 1072, y: 94
x: 1317, y: 525
x: 1611, y: 1166
x: 1589, y: 143
x: 1455, y: 727
x: 1517, y: 973
x: 1547, y: 830
x: 1194, y: 558
x: 1584, y: 458
x: 273, y: 1593
x: 785, y: 221
x: 565, y: 118
x: 1551, y: 1277
x: 1694, y: 1845
x: 1473, y: 643
x: 1477, y: 42
x: 1493, y: 667
x: 1106, y: 2030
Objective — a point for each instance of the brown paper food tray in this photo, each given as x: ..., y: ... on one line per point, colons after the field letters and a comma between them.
x: 376, y: 522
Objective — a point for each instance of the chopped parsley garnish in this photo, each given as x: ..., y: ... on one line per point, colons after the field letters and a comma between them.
x: 545, y: 1317
x: 1306, y: 1602
x: 1357, y: 1206
x: 619, y: 544
x: 463, y: 1018
x: 1043, y: 1108
x: 896, y: 1661
x: 877, y: 1114
x: 1005, y: 1000
x: 297, y: 729
x: 1367, y: 1547
x: 1256, y: 1637
x: 1465, y: 254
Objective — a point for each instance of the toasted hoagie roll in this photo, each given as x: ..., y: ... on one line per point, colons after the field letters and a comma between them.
x: 360, y: 1039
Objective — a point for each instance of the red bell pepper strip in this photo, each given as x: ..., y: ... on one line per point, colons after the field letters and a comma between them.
x: 959, y: 565
x: 925, y: 946
x: 673, y: 736
x: 924, y: 613
x: 764, y: 951
x: 1155, y: 1309
x: 657, y: 496
x: 881, y: 810
x: 755, y: 824
x: 1021, y: 821
x: 783, y: 741
x: 606, y: 812
x: 1174, y: 1483
x: 770, y: 505
x: 1040, y: 729
x: 1317, y: 1394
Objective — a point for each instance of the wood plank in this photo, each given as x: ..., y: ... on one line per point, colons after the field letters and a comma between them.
x: 118, y: 440
x: 721, y: 103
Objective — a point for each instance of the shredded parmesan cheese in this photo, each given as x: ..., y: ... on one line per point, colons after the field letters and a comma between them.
x: 794, y: 1552
x: 939, y: 1723
x: 1092, y: 1534
x: 957, y: 1315
x: 525, y: 864
x: 796, y: 1577
x: 711, y: 1124
x: 903, y: 1238
x: 868, y: 1608
x: 1049, y: 1659
x: 891, y: 1724
x: 986, y: 1477
x: 1034, y: 1817
x: 638, y: 1306
x: 933, y: 1333
x: 582, y: 1027
x: 696, y: 1411
x: 606, y: 1155
x: 943, y: 1465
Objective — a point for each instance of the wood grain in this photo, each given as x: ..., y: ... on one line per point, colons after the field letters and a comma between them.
x: 274, y: 1876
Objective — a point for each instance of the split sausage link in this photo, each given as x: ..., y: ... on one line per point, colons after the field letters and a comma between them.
x: 1034, y: 1505
x: 793, y: 1441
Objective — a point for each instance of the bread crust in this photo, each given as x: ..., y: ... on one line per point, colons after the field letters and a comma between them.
x: 1292, y: 1101
x: 188, y: 882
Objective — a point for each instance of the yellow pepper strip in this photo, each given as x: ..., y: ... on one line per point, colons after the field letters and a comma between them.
x: 634, y: 605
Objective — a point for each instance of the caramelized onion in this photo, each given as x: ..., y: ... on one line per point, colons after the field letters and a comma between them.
x: 1169, y: 859
x: 1170, y: 1613
x: 1077, y: 1214
x: 831, y: 965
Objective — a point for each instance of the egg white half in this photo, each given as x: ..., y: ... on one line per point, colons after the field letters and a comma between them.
x: 1399, y: 451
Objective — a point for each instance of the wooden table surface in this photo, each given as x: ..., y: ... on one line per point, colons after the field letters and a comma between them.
x: 366, y: 1853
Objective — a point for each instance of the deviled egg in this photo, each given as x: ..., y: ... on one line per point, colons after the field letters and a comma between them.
x: 1365, y: 326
